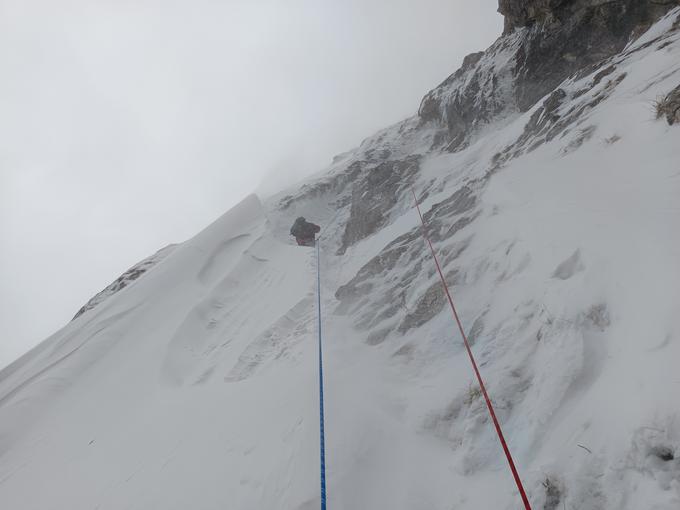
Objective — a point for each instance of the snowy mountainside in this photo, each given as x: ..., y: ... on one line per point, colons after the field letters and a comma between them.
x: 195, y: 385
x: 132, y: 402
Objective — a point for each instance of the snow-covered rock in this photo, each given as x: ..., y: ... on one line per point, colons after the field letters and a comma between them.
x: 126, y: 279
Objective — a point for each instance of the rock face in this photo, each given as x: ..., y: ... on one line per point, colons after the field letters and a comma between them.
x: 567, y: 36
x: 524, y: 13
x: 475, y: 95
x: 669, y: 107
x: 374, y: 193
x: 544, y: 42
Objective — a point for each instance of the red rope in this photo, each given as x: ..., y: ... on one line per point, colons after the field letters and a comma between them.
x: 489, y: 405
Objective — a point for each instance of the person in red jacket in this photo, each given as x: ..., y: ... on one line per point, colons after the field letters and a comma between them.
x: 304, y: 232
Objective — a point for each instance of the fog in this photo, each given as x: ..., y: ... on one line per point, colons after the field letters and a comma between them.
x: 127, y: 125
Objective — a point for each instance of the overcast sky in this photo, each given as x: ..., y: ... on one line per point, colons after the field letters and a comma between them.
x: 126, y: 125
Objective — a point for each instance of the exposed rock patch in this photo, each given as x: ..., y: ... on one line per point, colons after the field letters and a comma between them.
x: 428, y: 306
x: 378, y: 336
x: 374, y: 194
x: 581, y: 137
x: 526, y: 13
x: 472, y: 97
x: 569, y: 267
x: 553, y: 494
x: 654, y: 453
x: 669, y: 107
x: 664, y: 453
x: 126, y: 279
x: 477, y: 329
x: 598, y: 316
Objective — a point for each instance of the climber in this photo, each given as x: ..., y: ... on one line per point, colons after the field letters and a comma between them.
x: 304, y: 232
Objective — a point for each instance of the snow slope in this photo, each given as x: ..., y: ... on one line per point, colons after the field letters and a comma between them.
x: 151, y: 386
x: 195, y: 385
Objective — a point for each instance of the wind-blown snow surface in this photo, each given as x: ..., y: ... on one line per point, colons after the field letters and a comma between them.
x: 195, y: 386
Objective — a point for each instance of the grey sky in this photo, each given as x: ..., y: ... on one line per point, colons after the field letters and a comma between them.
x: 127, y: 125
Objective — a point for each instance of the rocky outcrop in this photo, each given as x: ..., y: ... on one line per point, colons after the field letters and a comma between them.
x: 565, y: 37
x: 544, y: 42
x: 374, y: 194
x: 475, y: 95
x: 553, y: 13
x: 669, y: 107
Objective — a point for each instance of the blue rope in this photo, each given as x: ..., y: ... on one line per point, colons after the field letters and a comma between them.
x: 322, y: 437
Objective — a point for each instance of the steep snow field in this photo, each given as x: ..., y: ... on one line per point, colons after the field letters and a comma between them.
x: 195, y: 385
x: 145, y: 402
